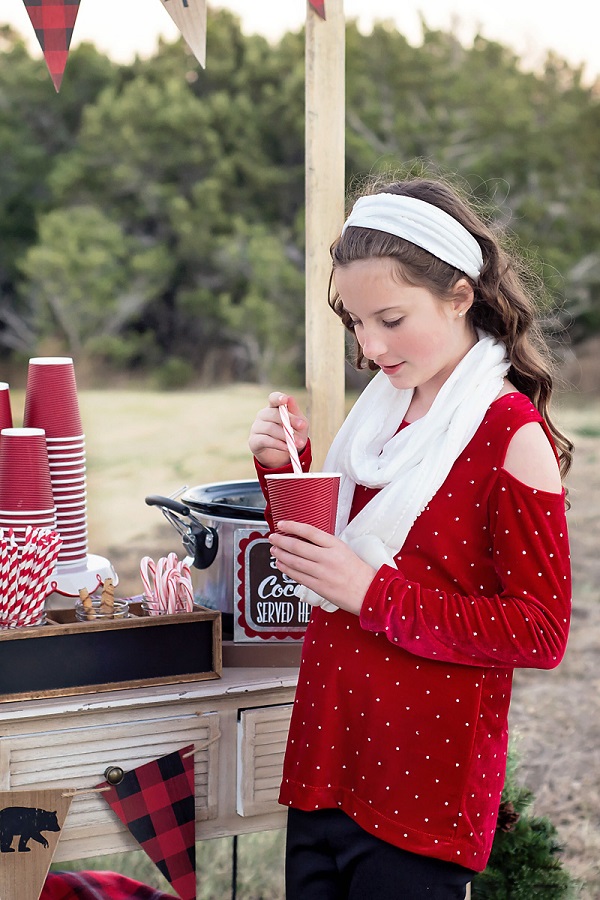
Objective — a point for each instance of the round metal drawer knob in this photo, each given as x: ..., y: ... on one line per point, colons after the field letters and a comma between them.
x: 114, y: 774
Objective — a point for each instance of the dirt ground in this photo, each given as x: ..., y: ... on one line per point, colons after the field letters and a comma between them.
x: 192, y: 439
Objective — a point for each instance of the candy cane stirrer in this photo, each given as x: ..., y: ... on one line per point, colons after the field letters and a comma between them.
x: 289, y: 439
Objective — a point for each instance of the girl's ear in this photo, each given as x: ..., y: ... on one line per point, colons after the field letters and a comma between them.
x: 462, y: 297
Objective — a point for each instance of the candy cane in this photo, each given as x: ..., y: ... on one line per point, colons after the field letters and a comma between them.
x: 147, y: 572
x: 167, y: 584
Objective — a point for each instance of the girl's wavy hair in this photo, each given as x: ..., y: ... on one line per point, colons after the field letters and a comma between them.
x: 502, y: 306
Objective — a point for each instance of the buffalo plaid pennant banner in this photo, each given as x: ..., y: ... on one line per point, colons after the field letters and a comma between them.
x: 318, y: 6
x: 156, y: 802
x: 53, y: 21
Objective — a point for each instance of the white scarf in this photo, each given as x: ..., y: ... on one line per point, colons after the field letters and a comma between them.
x: 409, y: 465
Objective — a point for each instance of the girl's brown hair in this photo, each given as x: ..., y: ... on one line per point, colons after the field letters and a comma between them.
x: 502, y: 307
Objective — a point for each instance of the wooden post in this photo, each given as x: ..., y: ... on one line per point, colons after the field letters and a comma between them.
x: 325, y: 120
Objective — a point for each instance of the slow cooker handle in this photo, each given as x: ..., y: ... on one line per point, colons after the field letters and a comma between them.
x: 199, y: 540
x: 168, y: 503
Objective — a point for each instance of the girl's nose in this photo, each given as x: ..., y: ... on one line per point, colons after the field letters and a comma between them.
x: 372, y: 344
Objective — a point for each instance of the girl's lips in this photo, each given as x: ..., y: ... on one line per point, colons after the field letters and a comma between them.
x: 391, y: 370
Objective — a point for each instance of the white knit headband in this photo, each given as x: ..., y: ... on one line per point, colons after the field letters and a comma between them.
x: 422, y: 224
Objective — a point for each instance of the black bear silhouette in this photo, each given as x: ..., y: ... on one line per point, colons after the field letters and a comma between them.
x: 28, y: 822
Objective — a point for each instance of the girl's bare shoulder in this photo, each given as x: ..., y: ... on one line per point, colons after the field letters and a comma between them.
x: 531, y: 459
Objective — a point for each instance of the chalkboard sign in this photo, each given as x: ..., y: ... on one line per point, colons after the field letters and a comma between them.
x: 61, y: 659
x: 267, y: 607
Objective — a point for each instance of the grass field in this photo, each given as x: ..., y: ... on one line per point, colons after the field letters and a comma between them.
x: 141, y: 443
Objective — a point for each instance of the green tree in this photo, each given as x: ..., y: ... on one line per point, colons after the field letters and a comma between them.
x: 85, y: 278
x: 36, y: 126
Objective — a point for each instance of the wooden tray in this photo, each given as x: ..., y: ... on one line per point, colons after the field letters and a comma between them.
x: 68, y: 657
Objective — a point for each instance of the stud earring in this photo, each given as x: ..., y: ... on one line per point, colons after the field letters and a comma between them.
x: 460, y: 315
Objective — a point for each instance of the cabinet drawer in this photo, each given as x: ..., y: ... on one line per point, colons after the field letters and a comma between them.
x: 76, y: 751
x: 262, y: 736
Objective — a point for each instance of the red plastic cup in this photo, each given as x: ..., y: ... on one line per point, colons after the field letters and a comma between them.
x: 25, y: 482
x: 51, y: 399
x: 310, y: 498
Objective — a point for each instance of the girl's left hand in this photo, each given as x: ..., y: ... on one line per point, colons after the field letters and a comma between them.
x: 323, y: 563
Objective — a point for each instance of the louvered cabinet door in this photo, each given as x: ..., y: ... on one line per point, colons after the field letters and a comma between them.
x: 262, y: 736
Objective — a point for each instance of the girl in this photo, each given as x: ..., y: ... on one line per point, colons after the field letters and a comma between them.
x: 450, y: 566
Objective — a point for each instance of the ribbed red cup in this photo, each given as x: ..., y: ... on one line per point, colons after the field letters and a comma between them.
x: 6, y: 419
x: 51, y: 399
x: 310, y: 498
x: 25, y: 482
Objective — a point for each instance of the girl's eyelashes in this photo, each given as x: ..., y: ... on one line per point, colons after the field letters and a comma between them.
x: 354, y: 323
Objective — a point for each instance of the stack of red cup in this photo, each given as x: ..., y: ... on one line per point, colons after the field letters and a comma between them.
x: 26, y: 497
x: 51, y: 403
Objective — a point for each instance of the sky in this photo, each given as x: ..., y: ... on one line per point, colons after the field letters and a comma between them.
x: 125, y: 28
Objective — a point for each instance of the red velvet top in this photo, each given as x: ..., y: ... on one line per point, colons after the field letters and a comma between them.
x: 400, y: 717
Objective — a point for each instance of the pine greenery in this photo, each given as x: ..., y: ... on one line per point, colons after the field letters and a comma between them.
x: 525, y: 862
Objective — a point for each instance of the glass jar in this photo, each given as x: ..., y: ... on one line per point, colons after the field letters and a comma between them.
x: 97, y: 613
x: 40, y: 620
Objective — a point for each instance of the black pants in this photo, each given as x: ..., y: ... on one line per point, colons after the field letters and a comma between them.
x: 330, y: 857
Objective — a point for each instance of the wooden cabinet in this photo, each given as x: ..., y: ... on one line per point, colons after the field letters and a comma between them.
x: 238, y: 725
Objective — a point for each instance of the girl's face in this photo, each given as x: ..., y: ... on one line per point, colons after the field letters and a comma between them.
x: 414, y: 337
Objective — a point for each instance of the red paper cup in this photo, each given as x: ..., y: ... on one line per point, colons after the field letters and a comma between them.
x: 72, y: 558
x: 65, y: 500
x: 79, y: 523
x: 59, y: 482
x: 73, y: 542
x: 71, y: 511
x: 310, y: 498
x: 27, y: 514
x: 25, y: 482
x: 65, y: 460
x: 51, y: 397
x: 6, y: 420
x: 65, y: 444
x: 6, y: 524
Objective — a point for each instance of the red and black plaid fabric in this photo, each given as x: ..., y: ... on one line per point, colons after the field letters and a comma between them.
x: 98, y: 886
x: 53, y: 21
x: 318, y: 6
x: 156, y: 802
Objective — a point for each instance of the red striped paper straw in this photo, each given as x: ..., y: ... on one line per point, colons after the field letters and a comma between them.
x: 46, y: 545
x: 289, y: 439
x: 9, y: 588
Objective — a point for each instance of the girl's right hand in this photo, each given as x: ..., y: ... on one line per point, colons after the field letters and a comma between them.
x: 267, y: 437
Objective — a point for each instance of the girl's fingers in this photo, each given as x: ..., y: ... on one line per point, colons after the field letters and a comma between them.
x: 307, y: 533
x: 277, y: 399
x: 297, y: 417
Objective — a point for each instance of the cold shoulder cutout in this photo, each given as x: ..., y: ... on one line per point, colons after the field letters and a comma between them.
x: 531, y: 459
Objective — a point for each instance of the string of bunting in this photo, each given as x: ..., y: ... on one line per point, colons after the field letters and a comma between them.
x: 107, y: 774
x: 318, y: 6
x: 54, y: 20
